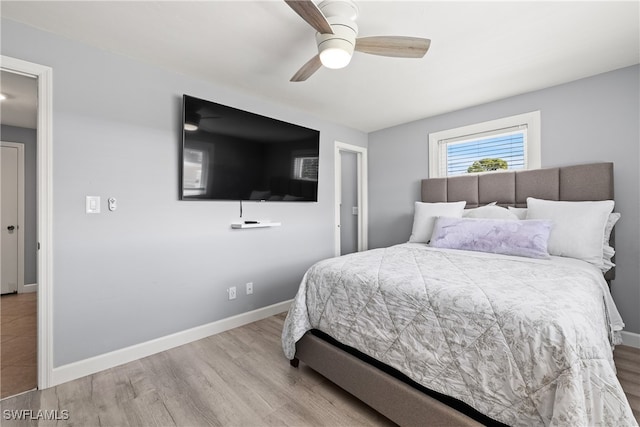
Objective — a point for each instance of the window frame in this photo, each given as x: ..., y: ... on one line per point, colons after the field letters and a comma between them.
x: 533, y: 146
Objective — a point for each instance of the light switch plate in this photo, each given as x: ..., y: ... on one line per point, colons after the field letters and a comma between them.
x: 92, y: 204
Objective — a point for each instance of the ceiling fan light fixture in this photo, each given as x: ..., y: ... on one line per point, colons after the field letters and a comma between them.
x: 336, y: 49
x: 191, y: 121
x: 334, y: 55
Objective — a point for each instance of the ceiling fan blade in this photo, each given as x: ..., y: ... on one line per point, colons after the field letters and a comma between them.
x: 310, y: 13
x: 307, y: 69
x: 396, y: 46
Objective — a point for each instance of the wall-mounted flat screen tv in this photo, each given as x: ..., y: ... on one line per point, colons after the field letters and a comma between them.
x: 230, y: 154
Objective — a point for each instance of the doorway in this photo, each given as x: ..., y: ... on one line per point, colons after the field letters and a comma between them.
x: 349, y: 207
x: 351, y: 202
x: 39, y: 324
x: 18, y: 303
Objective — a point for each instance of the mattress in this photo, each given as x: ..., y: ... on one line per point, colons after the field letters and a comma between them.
x: 523, y: 341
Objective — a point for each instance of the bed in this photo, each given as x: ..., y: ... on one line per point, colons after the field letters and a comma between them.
x: 433, y: 336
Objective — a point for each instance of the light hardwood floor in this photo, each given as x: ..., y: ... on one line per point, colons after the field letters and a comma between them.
x: 628, y: 367
x: 18, y: 343
x: 236, y: 378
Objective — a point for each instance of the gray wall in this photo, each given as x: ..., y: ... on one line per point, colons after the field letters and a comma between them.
x: 28, y: 137
x: 589, y: 120
x: 156, y: 265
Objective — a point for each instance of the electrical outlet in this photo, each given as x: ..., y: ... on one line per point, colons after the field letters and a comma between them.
x: 232, y: 293
x: 249, y: 288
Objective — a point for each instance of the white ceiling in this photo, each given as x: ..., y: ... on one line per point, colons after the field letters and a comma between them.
x: 19, y: 109
x: 480, y: 51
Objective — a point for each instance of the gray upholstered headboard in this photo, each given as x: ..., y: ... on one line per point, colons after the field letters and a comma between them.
x: 571, y: 183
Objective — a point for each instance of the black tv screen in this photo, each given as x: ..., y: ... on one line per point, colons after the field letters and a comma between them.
x: 230, y: 154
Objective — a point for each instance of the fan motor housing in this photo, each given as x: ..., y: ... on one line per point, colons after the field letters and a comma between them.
x: 345, y: 8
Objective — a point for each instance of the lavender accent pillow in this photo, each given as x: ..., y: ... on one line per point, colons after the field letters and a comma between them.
x: 526, y: 238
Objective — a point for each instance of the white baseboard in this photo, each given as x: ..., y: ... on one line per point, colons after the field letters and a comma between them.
x: 101, y: 362
x: 631, y: 339
x: 31, y: 287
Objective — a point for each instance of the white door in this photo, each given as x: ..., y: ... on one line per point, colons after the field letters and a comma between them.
x: 9, y: 219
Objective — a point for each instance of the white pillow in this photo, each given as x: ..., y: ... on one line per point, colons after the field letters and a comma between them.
x: 611, y: 221
x: 425, y: 215
x: 489, y: 211
x: 521, y: 213
x: 578, y: 227
x: 607, y: 251
x: 473, y: 209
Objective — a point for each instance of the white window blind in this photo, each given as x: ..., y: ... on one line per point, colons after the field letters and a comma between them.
x: 476, y: 152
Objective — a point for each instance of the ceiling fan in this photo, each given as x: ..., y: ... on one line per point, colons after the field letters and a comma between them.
x: 337, y: 37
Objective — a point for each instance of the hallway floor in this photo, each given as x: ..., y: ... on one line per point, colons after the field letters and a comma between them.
x: 18, y: 343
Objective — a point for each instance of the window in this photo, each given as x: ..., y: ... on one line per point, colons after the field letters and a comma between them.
x: 305, y: 168
x: 504, y: 144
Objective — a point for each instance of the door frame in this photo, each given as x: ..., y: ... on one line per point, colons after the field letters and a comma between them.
x: 44, y: 76
x: 362, y: 188
x: 20, y: 208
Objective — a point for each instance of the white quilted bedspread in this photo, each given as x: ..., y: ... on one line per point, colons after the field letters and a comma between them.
x: 526, y: 342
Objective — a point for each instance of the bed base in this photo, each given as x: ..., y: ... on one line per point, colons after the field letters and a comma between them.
x: 393, y: 398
